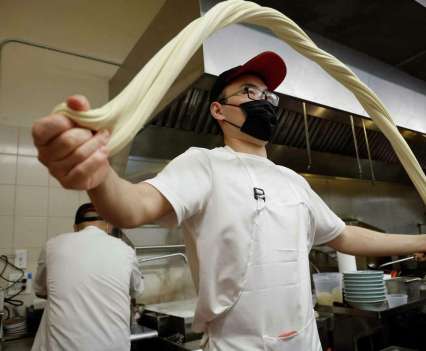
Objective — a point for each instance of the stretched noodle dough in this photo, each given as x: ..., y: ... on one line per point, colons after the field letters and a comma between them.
x: 129, y: 111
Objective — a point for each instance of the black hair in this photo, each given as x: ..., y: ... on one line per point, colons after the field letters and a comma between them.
x: 80, y: 216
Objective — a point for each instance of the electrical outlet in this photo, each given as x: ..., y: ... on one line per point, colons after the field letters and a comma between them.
x: 21, y: 257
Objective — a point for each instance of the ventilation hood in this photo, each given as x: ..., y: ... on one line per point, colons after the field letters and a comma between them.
x: 320, y: 139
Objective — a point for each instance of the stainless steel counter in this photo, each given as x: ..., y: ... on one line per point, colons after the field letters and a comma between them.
x: 379, y: 327
x: 378, y: 312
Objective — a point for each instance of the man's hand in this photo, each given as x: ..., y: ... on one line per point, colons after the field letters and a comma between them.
x: 420, y: 256
x: 77, y: 157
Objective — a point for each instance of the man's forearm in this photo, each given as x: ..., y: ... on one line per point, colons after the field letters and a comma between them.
x: 361, y: 241
x: 118, y: 201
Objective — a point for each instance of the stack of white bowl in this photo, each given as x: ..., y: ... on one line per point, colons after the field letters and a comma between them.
x: 364, y: 289
x: 15, y: 327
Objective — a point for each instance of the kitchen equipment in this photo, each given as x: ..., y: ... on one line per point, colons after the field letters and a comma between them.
x: 365, y: 305
x: 172, y: 320
x: 15, y: 327
x: 364, y: 289
x: 412, y: 286
x: 328, y: 288
x: 374, y: 266
x: 395, y: 300
x: 366, y: 285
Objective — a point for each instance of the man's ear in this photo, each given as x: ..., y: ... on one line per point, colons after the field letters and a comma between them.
x: 75, y: 227
x: 216, y: 110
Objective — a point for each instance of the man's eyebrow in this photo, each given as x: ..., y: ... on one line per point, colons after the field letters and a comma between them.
x: 250, y: 85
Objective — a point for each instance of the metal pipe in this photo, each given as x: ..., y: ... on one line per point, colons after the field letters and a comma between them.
x: 3, y: 43
x: 356, y: 146
x: 51, y: 48
x: 411, y: 58
x: 308, y: 144
x: 143, y: 260
x: 373, y: 178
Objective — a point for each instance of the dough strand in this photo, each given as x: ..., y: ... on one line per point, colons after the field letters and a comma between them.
x: 129, y: 111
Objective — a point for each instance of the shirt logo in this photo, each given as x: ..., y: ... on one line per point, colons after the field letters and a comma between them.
x: 259, y: 194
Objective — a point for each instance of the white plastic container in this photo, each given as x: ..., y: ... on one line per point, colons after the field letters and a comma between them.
x: 396, y: 299
x: 328, y: 288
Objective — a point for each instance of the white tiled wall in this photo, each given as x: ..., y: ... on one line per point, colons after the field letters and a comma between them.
x: 33, y: 206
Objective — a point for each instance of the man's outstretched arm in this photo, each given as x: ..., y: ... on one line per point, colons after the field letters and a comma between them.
x: 360, y: 241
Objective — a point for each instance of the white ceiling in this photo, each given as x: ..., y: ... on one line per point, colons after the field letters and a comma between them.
x: 33, y: 80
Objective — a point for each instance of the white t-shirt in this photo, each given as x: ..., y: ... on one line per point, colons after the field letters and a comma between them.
x: 87, y: 277
x: 211, y: 193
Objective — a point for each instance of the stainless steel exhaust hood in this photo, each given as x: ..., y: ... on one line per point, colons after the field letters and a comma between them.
x: 323, y: 141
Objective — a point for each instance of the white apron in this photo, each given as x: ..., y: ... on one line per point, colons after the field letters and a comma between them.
x: 274, y: 309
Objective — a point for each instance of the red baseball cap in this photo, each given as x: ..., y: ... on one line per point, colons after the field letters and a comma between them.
x: 268, y: 66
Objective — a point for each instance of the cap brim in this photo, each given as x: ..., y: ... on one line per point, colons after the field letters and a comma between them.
x: 268, y: 66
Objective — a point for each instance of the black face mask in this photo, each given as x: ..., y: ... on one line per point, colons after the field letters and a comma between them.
x: 261, y: 119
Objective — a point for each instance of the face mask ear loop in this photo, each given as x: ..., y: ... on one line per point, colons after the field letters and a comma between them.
x: 230, y: 105
x: 232, y: 124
